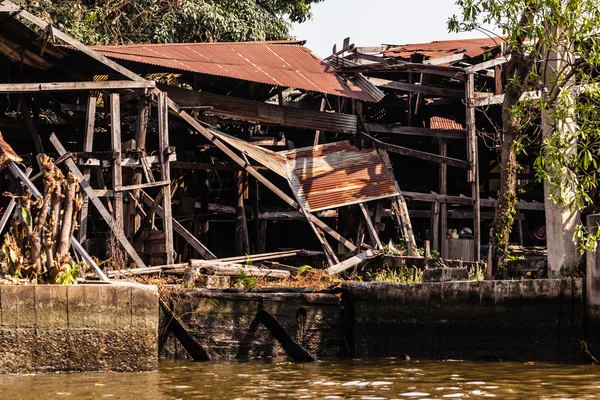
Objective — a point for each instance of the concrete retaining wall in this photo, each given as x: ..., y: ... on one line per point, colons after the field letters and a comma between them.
x: 531, y: 320
x: 225, y: 324
x: 50, y: 328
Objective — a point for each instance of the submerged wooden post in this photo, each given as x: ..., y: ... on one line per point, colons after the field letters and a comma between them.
x: 165, y: 172
x: 473, y: 172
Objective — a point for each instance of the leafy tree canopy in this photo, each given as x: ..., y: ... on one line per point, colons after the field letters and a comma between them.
x: 169, y: 21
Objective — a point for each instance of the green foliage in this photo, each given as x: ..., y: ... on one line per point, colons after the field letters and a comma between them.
x: 304, y: 269
x: 26, y: 215
x: 477, y: 273
x: 167, y: 21
x: 555, y: 51
x: 246, y: 281
x: 404, y: 275
x: 249, y: 262
x: 68, y: 274
x: 435, y: 254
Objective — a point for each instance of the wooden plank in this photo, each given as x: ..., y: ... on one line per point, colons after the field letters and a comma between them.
x: 474, y: 160
x: 263, y: 113
x: 252, y: 171
x: 352, y: 261
x: 445, y: 60
x: 452, y: 72
x: 72, y: 86
x: 143, y: 186
x: 88, y: 144
x: 117, y: 173
x: 464, y: 200
x: 85, y: 185
x: 165, y: 172
x: 128, y: 162
x: 488, y: 64
x: 225, y: 269
x: 416, y: 153
x: 413, y: 88
x: 180, y: 229
x: 396, y: 129
x: 499, y: 99
x: 372, y: 231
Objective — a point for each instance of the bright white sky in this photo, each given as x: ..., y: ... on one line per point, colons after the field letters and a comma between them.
x: 375, y: 22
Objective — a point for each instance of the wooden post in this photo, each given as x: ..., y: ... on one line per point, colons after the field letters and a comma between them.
x: 443, y: 206
x: 435, y: 226
x: 204, y: 199
x: 371, y: 228
x: 88, y: 144
x: 256, y: 211
x: 318, y: 133
x: 241, y: 226
x: 140, y: 143
x: 473, y: 172
x: 165, y: 172
x: 115, y: 142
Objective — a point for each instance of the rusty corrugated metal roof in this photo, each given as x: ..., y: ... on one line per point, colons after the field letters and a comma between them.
x: 7, y: 153
x: 278, y: 63
x: 337, y: 174
x: 438, y: 49
x: 444, y: 124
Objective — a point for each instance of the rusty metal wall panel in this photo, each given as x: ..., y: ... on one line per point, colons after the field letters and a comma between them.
x: 336, y: 175
x: 286, y: 64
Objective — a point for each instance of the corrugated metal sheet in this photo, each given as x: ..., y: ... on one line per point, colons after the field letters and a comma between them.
x: 336, y: 175
x: 286, y: 64
x: 443, y: 48
x: 7, y: 153
x: 444, y: 124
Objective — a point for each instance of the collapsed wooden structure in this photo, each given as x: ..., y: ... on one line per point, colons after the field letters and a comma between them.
x: 233, y: 143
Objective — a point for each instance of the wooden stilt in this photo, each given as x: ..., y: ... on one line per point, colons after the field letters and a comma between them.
x: 371, y: 228
x: 473, y: 173
x: 140, y: 143
x: 165, y: 168
x: 443, y: 145
x: 88, y: 144
x: 435, y: 226
x: 117, y: 173
x: 256, y: 211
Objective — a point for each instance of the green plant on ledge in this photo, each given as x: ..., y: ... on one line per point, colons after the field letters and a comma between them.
x: 404, y: 275
x: 246, y: 281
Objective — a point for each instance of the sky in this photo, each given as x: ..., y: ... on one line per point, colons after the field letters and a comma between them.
x: 376, y: 22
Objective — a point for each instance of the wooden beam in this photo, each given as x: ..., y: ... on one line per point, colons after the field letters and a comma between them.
x: 263, y: 113
x: 35, y: 135
x: 143, y: 186
x: 482, y: 101
x: 252, y: 171
x: 352, y: 261
x: 72, y: 86
x: 409, y: 87
x: 416, y: 153
x: 488, y: 64
x: 443, y: 147
x: 452, y: 72
x: 180, y: 229
x: 372, y: 231
x: 129, y: 162
x: 85, y: 185
x: 445, y: 60
x: 464, y: 200
x: 396, y: 129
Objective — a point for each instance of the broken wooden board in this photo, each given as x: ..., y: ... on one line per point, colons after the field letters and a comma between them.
x: 352, y: 261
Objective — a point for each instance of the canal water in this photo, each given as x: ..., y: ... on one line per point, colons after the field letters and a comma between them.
x: 381, y: 379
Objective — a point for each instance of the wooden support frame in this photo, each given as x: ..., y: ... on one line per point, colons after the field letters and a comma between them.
x: 242, y: 241
x: 395, y: 129
x: 206, y: 132
x: 413, y: 88
x: 443, y: 146
x: 85, y: 185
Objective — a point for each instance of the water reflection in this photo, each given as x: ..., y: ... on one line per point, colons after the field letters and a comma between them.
x: 382, y: 379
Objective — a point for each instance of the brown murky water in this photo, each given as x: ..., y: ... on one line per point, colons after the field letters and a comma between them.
x: 381, y: 379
